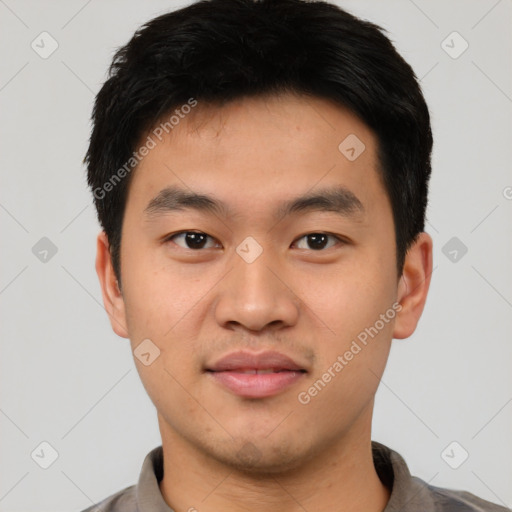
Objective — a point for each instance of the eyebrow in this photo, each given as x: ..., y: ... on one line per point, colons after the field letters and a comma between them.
x: 336, y: 199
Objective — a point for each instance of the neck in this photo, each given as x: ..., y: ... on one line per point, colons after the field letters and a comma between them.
x: 341, y: 477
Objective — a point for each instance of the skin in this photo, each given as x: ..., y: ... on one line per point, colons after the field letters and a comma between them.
x: 198, y: 305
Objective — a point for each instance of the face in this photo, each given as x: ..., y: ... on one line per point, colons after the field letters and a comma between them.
x: 258, y: 257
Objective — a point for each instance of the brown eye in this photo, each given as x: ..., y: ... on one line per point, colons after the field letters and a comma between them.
x: 317, y: 241
x: 192, y: 240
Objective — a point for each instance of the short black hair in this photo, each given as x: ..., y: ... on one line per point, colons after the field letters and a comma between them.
x: 216, y: 51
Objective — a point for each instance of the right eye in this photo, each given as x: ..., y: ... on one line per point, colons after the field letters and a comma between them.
x: 193, y: 240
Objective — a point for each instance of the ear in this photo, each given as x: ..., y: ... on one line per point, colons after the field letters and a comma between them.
x: 112, y: 296
x: 413, y: 286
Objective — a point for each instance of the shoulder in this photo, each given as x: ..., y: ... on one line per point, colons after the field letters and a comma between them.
x: 449, y: 500
x: 412, y: 494
x: 122, y: 501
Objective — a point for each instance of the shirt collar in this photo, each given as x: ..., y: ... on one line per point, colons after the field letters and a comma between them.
x: 406, y: 490
x: 390, y: 466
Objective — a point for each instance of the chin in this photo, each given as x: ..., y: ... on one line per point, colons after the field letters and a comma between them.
x: 256, y: 459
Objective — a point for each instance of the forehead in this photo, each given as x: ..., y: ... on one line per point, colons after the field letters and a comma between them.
x: 254, y: 151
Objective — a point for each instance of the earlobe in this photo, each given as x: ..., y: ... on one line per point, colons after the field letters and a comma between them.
x: 413, y: 286
x: 112, y: 297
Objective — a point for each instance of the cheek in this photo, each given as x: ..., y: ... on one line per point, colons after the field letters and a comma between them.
x: 350, y: 298
x: 352, y: 362
x: 156, y: 295
x: 163, y: 305
x: 351, y: 304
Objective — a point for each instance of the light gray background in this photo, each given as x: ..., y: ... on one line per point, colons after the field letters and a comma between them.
x: 67, y: 379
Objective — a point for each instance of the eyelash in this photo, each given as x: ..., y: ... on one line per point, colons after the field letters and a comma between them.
x: 174, y: 235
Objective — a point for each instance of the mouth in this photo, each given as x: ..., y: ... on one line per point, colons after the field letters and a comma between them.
x: 250, y: 375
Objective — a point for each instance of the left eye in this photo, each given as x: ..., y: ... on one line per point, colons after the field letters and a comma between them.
x: 192, y: 240
x: 317, y: 241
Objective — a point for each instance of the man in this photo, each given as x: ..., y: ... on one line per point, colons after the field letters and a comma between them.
x: 260, y: 171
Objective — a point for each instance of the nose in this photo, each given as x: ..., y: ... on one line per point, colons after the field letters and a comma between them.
x: 256, y: 295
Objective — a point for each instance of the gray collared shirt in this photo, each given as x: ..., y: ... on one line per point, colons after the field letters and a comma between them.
x: 408, y: 493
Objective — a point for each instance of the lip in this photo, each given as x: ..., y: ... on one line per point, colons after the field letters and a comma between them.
x: 239, y: 372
